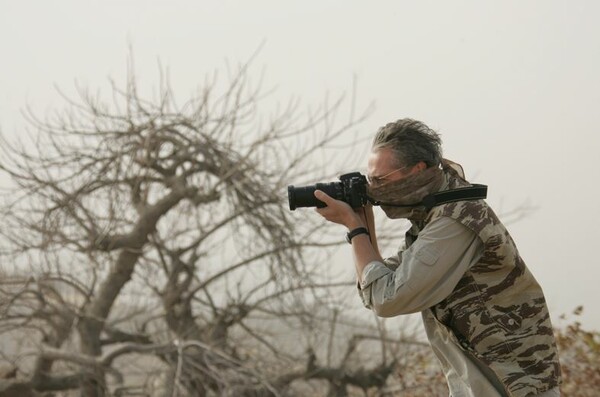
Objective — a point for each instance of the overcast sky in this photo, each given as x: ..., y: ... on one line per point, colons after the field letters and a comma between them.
x: 512, y: 86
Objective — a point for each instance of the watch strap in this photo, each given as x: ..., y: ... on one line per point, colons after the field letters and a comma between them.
x: 355, y: 232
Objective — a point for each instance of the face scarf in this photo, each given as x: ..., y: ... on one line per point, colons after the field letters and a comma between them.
x: 408, y: 191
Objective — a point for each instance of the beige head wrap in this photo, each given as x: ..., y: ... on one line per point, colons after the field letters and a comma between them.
x: 407, y: 193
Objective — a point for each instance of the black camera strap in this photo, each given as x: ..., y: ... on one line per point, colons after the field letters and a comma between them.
x: 473, y: 192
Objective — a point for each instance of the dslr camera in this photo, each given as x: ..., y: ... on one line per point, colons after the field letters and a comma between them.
x: 352, y: 189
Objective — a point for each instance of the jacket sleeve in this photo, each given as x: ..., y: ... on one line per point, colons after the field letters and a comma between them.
x: 428, y: 272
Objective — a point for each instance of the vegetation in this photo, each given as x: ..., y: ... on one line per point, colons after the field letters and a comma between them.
x: 147, y: 249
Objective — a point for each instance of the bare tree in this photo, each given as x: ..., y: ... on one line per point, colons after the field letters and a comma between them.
x: 147, y: 247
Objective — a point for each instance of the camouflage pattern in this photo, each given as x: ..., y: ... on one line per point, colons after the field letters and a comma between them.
x: 497, y: 312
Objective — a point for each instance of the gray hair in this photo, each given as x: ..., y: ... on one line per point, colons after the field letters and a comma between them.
x: 411, y: 141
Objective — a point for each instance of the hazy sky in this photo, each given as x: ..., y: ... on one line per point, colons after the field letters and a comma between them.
x: 512, y: 86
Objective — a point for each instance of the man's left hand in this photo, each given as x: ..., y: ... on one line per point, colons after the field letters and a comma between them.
x: 338, y: 211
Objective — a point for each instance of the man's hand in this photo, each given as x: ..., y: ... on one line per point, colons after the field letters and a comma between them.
x: 338, y: 211
x: 364, y: 247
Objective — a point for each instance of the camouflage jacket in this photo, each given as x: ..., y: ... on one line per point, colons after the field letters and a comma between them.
x: 497, y: 312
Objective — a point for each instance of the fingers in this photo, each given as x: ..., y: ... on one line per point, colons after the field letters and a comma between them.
x: 324, y: 197
x: 328, y: 200
x: 336, y: 211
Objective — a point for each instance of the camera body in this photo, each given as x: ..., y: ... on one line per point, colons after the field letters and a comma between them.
x: 352, y: 189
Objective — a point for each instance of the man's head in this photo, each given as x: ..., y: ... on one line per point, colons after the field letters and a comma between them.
x: 403, y: 148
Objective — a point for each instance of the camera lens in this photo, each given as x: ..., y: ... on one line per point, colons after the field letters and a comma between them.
x: 304, y: 196
x: 301, y: 196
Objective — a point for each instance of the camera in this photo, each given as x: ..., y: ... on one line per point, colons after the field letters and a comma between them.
x: 352, y: 189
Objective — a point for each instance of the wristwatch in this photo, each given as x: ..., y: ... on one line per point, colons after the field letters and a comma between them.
x: 355, y: 232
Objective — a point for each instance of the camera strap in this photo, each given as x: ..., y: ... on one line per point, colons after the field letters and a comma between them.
x: 473, y: 192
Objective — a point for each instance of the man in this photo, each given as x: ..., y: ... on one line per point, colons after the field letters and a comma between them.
x: 484, y: 313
